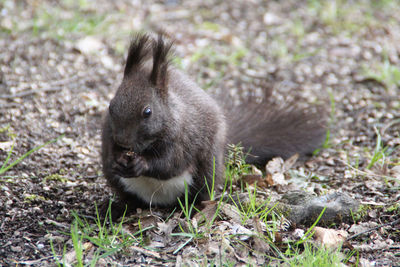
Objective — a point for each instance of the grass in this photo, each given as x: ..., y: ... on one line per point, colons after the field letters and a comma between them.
x: 51, y: 21
x: 218, y: 61
x: 6, y: 165
x: 311, y: 255
x: 103, y: 236
x: 187, y: 209
x: 342, y: 17
x: 385, y: 73
x: 380, y: 152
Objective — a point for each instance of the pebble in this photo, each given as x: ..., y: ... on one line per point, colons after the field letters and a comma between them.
x: 16, y: 249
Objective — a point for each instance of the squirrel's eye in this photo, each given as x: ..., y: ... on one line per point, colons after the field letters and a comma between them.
x: 146, y: 112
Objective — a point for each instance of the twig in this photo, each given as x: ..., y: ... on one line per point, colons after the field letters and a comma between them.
x: 34, y: 262
x: 375, y: 228
x: 146, y: 252
x: 60, y: 225
x: 367, y: 173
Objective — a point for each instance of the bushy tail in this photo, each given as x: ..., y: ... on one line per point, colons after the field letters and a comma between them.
x: 268, y: 130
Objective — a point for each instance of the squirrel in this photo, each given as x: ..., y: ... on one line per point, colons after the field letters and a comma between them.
x: 162, y: 134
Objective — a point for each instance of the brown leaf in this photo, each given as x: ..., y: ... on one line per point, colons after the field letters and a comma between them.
x: 329, y: 237
x: 252, y: 179
x: 208, y: 212
x: 231, y: 212
x: 395, y: 172
x: 260, y: 244
x: 275, y: 169
x: 275, y: 166
x: 288, y: 164
x: 269, y: 180
x: 279, y: 179
x: 166, y: 229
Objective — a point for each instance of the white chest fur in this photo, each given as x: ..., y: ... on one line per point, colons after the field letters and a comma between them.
x: 158, y: 191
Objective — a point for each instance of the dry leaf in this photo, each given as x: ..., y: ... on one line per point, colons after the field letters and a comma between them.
x: 243, y: 232
x: 251, y: 179
x: 269, y: 180
x: 275, y: 169
x: 208, y: 212
x: 255, y: 170
x: 70, y: 257
x: 166, y: 229
x: 146, y: 221
x: 231, y: 212
x: 395, y: 172
x: 259, y: 243
x: 288, y: 164
x: 275, y: 166
x: 298, y: 233
x: 279, y: 179
x: 329, y: 237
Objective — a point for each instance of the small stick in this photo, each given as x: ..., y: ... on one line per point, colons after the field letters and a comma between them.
x: 375, y: 228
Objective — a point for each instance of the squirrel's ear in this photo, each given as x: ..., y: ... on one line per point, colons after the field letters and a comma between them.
x: 139, y: 50
x: 159, y: 73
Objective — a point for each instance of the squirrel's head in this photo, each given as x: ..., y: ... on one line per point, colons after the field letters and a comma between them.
x: 139, y: 109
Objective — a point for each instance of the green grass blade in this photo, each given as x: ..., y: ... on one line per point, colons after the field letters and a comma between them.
x: 3, y: 170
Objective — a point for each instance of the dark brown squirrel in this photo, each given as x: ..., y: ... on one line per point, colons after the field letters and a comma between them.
x: 163, y: 133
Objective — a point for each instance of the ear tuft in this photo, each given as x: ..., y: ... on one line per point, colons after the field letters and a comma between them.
x: 139, y: 50
x: 159, y: 73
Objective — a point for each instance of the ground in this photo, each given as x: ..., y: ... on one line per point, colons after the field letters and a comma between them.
x: 61, y: 62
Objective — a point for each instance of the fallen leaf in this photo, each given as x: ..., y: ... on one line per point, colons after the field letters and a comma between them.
x: 166, y: 229
x: 260, y: 244
x: 231, y: 212
x: 207, y: 213
x: 329, y: 237
x: 255, y: 170
x: 275, y: 169
x: 275, y: 166
x: 288, y: 164
x: 251, y: 179
x: 298, y: 233
x: 395, y: 172
x: 358, y: 228
x: 243, y: 232
x: 279, y: 179
x: 70, y: 257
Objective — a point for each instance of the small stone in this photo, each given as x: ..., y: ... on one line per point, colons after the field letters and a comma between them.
x: 89, y: 45
x: 271, y: 19
x: 17, y: 249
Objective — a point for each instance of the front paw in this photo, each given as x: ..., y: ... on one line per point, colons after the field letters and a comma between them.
x: 137, y: 167
x: 140, y: 166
